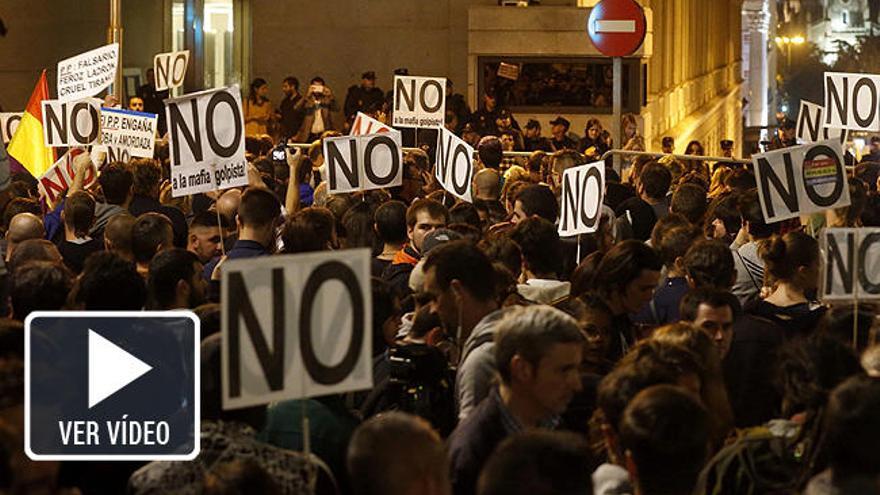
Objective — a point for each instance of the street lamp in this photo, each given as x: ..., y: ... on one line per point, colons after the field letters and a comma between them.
x: 787, y: 42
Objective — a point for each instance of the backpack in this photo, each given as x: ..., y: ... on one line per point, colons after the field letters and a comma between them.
x: 759, y: 461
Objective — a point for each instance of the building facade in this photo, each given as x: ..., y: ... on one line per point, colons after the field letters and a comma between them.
x: 685, y: 82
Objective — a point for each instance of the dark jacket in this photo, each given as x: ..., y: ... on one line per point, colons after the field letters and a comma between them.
x: 361, y: 99
x: 397, y: 274
x: 143, y: 204
x: 749, y: 369
x: 291, y: 116
x: 471, y: 444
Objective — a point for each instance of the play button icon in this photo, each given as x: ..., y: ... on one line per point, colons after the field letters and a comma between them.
x: 112, y: 385
x: 110, y: 368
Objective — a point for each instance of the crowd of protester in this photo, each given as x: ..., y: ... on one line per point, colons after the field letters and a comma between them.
x: 680, y: 349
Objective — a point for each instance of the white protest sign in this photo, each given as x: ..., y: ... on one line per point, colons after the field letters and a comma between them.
x: 852, y: 101
x: 801, y: 180
x: 71, y: 123
x: 583, y: 190
x: 60, y: 176
x: 87, y: 74
x: 852, y: 264
x: 454, y: 168
x: 364, y: 124
x: 206, y: 142
x: 126, y: 133
x: 360, y: 163
x: 419, y: 101
x: 811, y: 125
x: 296, y: 326
x: 9, y: 124
x: 169, y: 69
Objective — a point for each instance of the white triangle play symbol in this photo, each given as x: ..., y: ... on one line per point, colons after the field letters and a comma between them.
x: 110, y: 368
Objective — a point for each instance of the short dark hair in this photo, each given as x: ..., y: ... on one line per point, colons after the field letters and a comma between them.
x: 390, y: 220
x: 116, y: 181
x: 146, y: 175
x: 852, y: 427
x: 109, y: 282
x: 539, y: 200
x: 462, y: 261
x: 740, y: 179
x: 292, y: 81
x: 490, y: 151
x: 357, y: 225
x: 465, y: 213
x: 79, y: 212
x: 33, y: 250
x: 389, y: 453
x: 20, y: 205
x: 539, y: 244
x: 259, y: 208
x: 317, y: 79
x: 308, y: 230
x: 208, y: 219
x: 623, y: 264
x: 710, y: 296
x: 668, y: 141
x: 709, y: 263
x: 749, y: 208
x: 674, y: 243
x: 689, y: 201
x: 666, y: 430
x: 434, y: 209
x: 502, y: 249
x: 149, y: 233
x: 539, y: 462
x: 39, y: 286
x: 166, y: 269
x: 724, y: 208
x: 656, y: 179
x: 242, y: 475
x: 530, y: 332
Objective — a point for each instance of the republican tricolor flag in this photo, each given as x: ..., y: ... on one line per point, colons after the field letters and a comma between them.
x: 26, y: 146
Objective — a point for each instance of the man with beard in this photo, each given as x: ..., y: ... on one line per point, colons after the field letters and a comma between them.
x: 175, y: 281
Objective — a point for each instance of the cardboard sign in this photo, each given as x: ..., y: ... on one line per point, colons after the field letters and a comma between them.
x: 801, y: 180
x: 852, y: 264
x: 296, y: 326
x: 583, y: 190
x: 364, y: 124
x: 206, y: 142
x: 87, y: 74
x: 9, y: 124
x: 170, y: 69
x: 360, y: 163
x: 71, y: 123
x: 509, y: 71
x: 811, y: 125
x: 852, y: 101
x: 455, y: 165
x: 419, y: 101
x: 60, y: 176
x: 126, y: 133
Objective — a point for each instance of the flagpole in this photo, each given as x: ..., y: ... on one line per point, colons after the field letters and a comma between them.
x: 114, y: 35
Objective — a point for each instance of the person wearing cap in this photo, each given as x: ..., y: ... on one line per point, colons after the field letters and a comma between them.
x: 785, y: 135
x: 727, y: 148
x: 485, y: 119
x: 363, y: 97
x: 532, y: 138
x: 560, y: 140
x: 507, y: 125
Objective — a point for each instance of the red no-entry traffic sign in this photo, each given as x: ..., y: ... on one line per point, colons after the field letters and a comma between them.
x: 617, y: 27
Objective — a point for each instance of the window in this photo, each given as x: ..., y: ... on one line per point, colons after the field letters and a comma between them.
x: 557, y: 85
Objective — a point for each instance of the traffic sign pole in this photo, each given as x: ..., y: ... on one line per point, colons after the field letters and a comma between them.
x: 617, y: 29
x: 617, y: 106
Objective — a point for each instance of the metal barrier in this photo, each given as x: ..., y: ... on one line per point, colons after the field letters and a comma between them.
x: 526, y: 154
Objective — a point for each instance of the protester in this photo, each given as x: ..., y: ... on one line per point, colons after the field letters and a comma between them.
x: 749, y: 264
x: 320, y: 109
x: 78, y: 216
x: 714, y: 311
x: 22, y: 227
x: 289, y: 116
x: 549, y: 463
x: 538, y: 352
x: 258, y: 113
x: 636, y: 217
x: 541, y: 261
x: 397, y: 454
x: 422, y: 217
